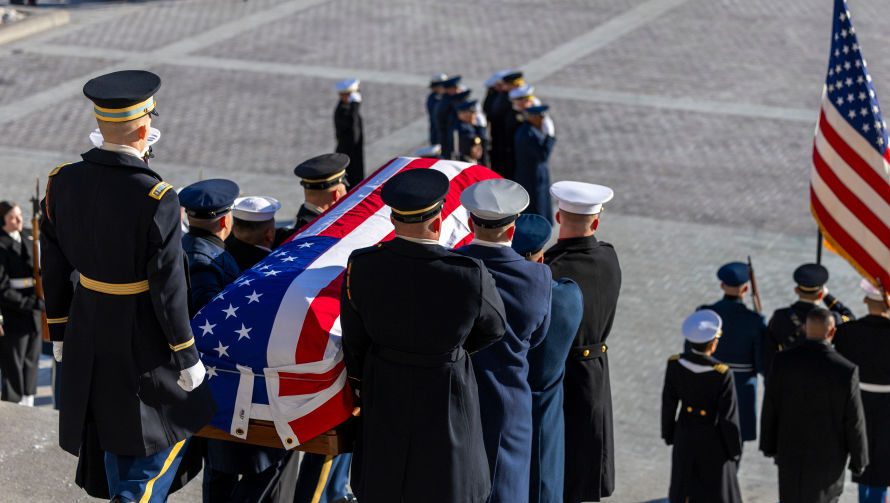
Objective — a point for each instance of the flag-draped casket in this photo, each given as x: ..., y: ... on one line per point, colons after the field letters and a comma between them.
x: 271, y: 339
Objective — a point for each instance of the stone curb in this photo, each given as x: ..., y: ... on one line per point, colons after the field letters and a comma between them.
x: 38, y: 20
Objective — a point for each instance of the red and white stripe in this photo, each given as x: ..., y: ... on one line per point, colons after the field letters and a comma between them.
x: 306, y: 378
x: 850, y: 194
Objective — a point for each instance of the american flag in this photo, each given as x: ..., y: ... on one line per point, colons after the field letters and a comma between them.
x: 271, y: 339
x: 850, y: 180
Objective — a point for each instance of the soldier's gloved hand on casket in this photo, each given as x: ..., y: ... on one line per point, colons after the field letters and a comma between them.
x: 57, y: 351
x: 192, y: 377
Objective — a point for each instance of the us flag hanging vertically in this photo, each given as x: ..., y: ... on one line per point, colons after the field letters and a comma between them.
x: 850, y: 180
x: 271, y: 339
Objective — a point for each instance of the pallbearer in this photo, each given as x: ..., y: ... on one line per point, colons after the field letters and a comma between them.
x: 253, y: 232
x: 502, y: 369
x: 705, y: 431
x: 546, y: 367
x: 323, y: 179
x: 133, y: 378
x: 593, y: 264
x: 866, y: 343
x: 740, y: 346
x: 349, y: 128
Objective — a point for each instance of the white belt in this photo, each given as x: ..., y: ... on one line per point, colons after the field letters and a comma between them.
x: 21, y: 283
x: 874, y: 388
x: 741, y: 367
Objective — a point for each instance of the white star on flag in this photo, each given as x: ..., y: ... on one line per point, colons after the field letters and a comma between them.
x: 245, y: 282
x: 244, y: 332
x: 211, y: 372
x: 207, y: 327
x: 254, y: 297
x: 231, y: 311
x: 305, y: 245
x: 221, y: 350
x: 288, y: 259
x: 271, y: 273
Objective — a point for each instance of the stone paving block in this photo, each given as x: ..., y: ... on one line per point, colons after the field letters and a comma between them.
x: 24, y: 74
x: 758, y: 51
x: 422, y: 36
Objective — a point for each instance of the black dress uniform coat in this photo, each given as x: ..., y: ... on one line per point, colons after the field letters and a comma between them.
x: 246, y: 255
x: 812, y: 420
x: 304, y: 217
x: 705, y: 434
x: 411, y: 313
x: 510, y: 125
x: 786, y: 327
x: 866, y: 343
x: 498, y: 110
x: 590, y: 450
x: 122, y: 353
x: 20, y: 347
x: 350, y: 139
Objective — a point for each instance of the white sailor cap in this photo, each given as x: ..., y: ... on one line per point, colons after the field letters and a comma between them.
x: 256, y: 208
x: 495, y: 202
x: 522, y: 92
x: 702, y: 326
x: 871, y: 291
x: 581, y: 198
x: 347, y: 86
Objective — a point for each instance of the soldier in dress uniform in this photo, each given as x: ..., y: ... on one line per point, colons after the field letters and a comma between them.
x: 494, y: 87
x: 412, y: 312
x: 444, y: 109
x: 532, y: 146
x: 593, y: 264
x: 324, y: 182
x: 740, y: 346
x: 497, y: 111
x: 253, y: 230
x: 812, y: 418
x: 472, y: 146
x: 505, y: 398
x: 19, y: 336
x: 133, y: 378
x: 705, y: 434
x: 866, y: 343
x: 349, y: 129
x: 448, y: 120
x: 786, y: 327
x: 546, y: 367
x: 232, y: 471
x: 437, y: 90
x: 520, y: 98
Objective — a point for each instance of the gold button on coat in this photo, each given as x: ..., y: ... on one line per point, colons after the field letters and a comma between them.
x: 586, y: 352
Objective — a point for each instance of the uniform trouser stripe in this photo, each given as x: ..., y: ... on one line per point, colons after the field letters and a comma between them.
x: 144, y: 479
x: 174, y: 453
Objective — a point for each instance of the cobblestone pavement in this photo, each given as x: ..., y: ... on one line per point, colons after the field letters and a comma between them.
x: 699, y: 113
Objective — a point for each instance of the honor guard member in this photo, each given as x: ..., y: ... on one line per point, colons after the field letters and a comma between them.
x: 444, y: 112
x: 349, y: 129
x: 705, y: 432
x: 533, y: 144
x: 740, y: 346
x: 412, y: 312
x: 546, y: 367
x: 253, y: 230
x: 472, y: 146
x: 231, y: 470
x: 133, y: 378
x: 19, y: 308
x: 497, y: 112
x: 786, y: 327
x: 437, y: 91
x: 593, y: 264
x: 812, y: 418
x: 494, y: 87
x: 520, y: 99
x: 324, y: 183
x: 505, y: 398
x: 866, y: 343
x: 448, y: 120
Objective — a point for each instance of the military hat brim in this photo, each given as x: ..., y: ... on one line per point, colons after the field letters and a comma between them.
x: 123, y: 96
x: 532, y: 234
x: 323, y: 171
x: 810, y: 278
x: 415, y: 195
x: 733, y: 274
x: 209, y: 199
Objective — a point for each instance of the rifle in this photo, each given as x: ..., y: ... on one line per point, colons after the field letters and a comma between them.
x: 455, y: 150
x: 35, y: 256
x: 755, y: 292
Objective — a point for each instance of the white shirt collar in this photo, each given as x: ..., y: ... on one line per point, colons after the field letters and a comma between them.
x: 419, y: 240
x: 491, y: 244
x: 313, y: 208
x: 122, y: 149
x: 16, y: 236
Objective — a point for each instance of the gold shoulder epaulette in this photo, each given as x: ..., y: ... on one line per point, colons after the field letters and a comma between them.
x: 58, y: 168
x: 674, y: 358
x: 721, y: 368
x: 158, y: 191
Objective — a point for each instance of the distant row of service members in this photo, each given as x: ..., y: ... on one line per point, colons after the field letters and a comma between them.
x: 816, y: 414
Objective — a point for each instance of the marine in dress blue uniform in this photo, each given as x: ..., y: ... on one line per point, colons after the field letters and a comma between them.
x: 533, y: 144
x: 740, y: 345
x: 349, y: 129
x: 232, y: 471
x: 502, y: 369
x: 699, y: 418
x: 546, y: 367
x: 323, y: 179
x: 134, y: 390
x: 866, y: 343
x: 411, y: 313
x: 437, y: 90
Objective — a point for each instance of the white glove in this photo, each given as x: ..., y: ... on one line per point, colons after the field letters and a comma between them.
x: 548, y: 127
x: 57, y: 351
x: 191, y: 377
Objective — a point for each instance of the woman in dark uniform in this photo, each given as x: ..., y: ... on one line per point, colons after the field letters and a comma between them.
x: 20, y: 346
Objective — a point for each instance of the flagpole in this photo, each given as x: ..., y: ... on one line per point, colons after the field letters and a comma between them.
x: 819, y: 248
